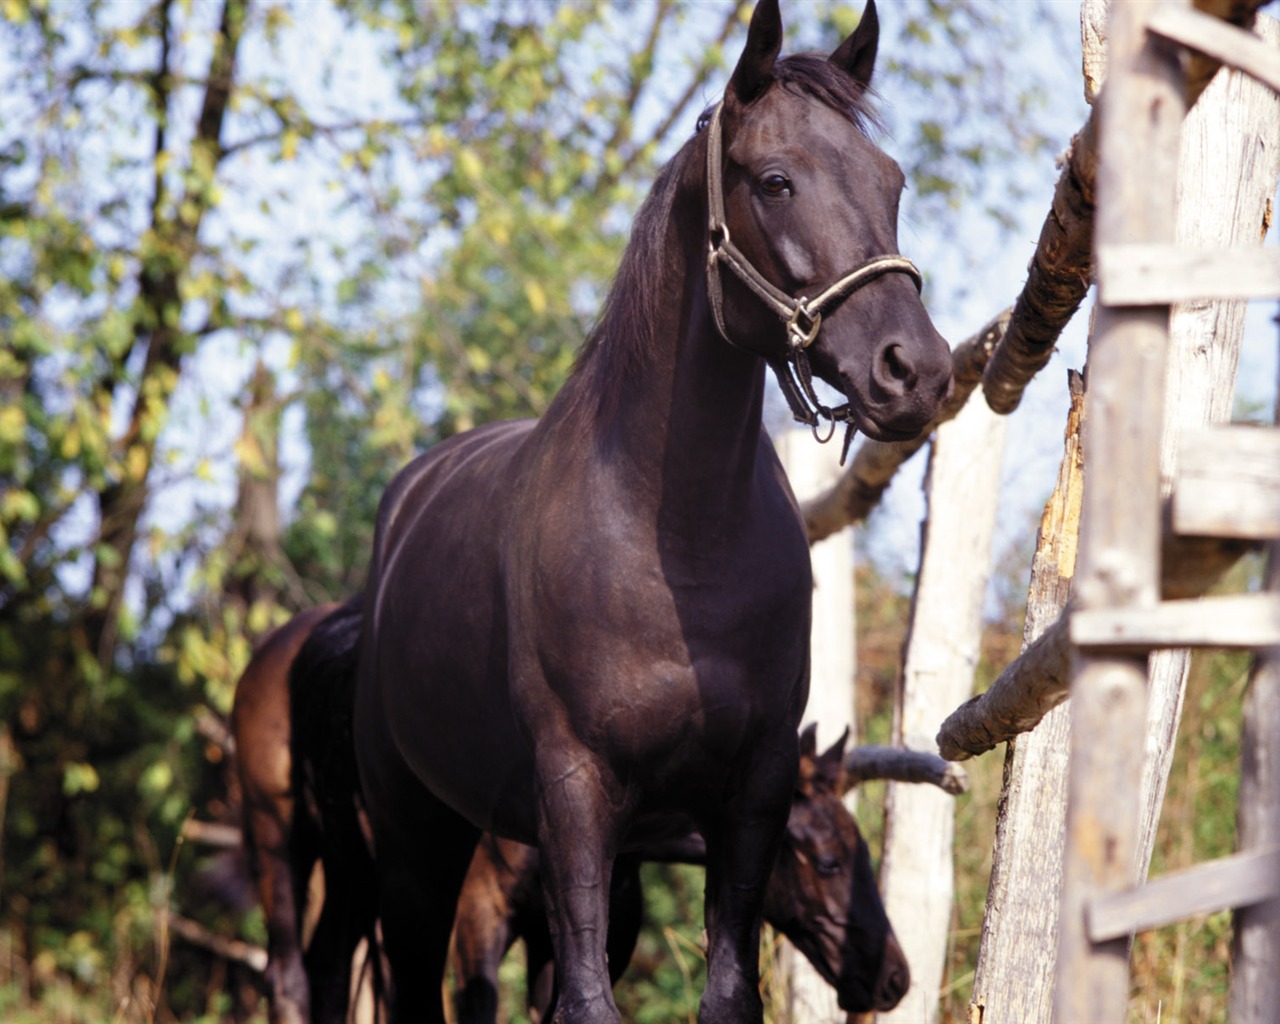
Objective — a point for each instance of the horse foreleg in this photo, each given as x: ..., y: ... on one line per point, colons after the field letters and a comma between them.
x: 741, y: 849
x: 576, y: 839
x: 626, y: 914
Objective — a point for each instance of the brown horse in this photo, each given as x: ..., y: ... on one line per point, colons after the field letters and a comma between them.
x: 298, y: 780
x: 821, y: 894
x: 591, y: 631
x: 281, y: 848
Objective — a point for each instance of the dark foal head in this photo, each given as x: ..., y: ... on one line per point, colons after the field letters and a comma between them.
x: 823, y: 895
x: 808, y: 199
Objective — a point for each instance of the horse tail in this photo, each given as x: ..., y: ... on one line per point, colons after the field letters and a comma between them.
x: 322, y: 682
x: 321, y: 705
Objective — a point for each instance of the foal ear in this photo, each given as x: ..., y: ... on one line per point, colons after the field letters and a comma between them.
x: 831, y: 762
x: 857, y: 54
x: 835, y: 752
x: 755, y: 67
x: 809, y: 740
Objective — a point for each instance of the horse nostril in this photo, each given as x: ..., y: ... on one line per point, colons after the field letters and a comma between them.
x: 894, y: 369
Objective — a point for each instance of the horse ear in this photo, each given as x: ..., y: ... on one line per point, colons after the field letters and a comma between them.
x: 831, y: 763
x: 836, y: 751
x: 857, y: 54
x: 755, y: 67
x: 809, y: 740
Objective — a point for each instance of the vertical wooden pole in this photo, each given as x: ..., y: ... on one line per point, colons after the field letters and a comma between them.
x: 1255, y: 947
x: 1142, y: 108
x: 812, y: 468
x: 1255, y: 942
x: 1020, y: 925
x: 917, y: 873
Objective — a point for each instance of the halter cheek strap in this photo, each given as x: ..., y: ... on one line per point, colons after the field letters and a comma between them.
x: 802, y: 317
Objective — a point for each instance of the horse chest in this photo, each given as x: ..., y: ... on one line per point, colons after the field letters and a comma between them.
x: 644, y: 651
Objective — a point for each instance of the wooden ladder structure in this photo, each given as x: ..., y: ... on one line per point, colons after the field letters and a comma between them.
x: 1228, y: 485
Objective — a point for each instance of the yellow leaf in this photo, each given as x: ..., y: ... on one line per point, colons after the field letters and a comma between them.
x: 294, y: 320
x: 381, y: 380
x: 13, y: 424
x: 79, y: 777
x: 469, y: 163
x: 136, y: 462
x: 289, y: 144
x: 15, y: 11
x: 19, y: 504
x: 249, y: 452
x: 71, y: 442
x: 537, y: 296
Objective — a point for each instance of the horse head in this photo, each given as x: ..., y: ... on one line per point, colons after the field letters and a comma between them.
x: 803, y: 264
x: 823, y: 895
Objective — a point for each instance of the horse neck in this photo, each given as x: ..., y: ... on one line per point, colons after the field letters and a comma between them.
x: 691, y: 422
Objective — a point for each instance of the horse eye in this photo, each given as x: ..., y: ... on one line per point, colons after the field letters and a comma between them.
x: 775, y: 184
x: 827, y: 865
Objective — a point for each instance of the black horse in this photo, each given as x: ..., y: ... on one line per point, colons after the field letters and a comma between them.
x: 592, y: 630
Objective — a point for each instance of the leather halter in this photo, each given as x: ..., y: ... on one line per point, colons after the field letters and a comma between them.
x: 802, y: 316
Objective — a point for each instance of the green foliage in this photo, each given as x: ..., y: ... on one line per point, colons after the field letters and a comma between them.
x: 1181, y: 972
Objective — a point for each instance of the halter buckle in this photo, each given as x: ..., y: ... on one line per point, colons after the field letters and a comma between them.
x: 802, y: 326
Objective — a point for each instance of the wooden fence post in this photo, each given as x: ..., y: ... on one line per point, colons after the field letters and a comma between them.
x: 1020, y: 925
x: 916, y: 875
x: 812, y: 468
x: 1255, y: 946
x: 1142, y: 108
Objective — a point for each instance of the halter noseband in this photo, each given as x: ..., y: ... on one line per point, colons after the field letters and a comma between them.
x: 802, y: 316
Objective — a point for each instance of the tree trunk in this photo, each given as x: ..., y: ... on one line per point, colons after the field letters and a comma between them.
x: 175, y: 227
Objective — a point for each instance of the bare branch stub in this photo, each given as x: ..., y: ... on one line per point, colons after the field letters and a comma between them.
x: 901, y: 765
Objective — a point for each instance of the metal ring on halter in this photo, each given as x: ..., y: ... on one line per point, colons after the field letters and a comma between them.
x: 713, y: 247
x: 831, y: 423
x: 798, y: 336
